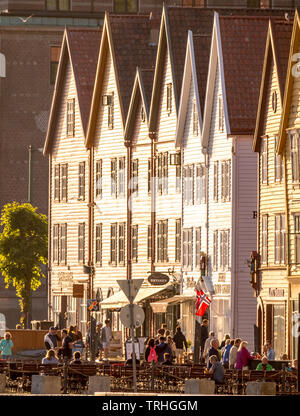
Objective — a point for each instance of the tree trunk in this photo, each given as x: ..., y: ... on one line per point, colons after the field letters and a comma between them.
x: 27, y: 304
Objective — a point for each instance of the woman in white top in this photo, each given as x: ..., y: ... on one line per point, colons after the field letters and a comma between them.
x: 50, y: 358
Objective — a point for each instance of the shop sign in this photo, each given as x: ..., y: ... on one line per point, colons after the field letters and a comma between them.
x: 92, y: 305
x: 278, y: 293
x: 78, y: 291
x: 158, y: 279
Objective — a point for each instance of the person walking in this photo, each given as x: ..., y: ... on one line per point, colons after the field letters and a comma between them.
x: 223, y: 343
x: 172, y: 345
x: 203, y: 337
x: 99, y: 345
x: 67, y: 345
x: 180, y: 342
x: 233, y: 352
x: 6, y: 346
x: 270, y: 351
x: 243, y: 357
x: 226, y: 353
x: 106, y: 337
x: 50, y: 358
x: 51, y: 339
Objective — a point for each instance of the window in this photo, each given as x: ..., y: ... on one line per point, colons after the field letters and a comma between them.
x: 169, y: 99
x: 54, y: 61
x: 215, y: 250
x: 63, y: 244
x: 99, y: 179
x: 149, y: 241
x: 220, y: 114
x: 264, y: 160
x: 224, y: 249
x: 81, y: 181
x: 280, y: 238
x: 278, y: 162
x: 113, y: 177
x: 61, y: 5
x: 187, y: 255
x: 99, y: 244
x: 297, y: 237
x: 200, y: 197
x: 134, y: 243
x: 55, y: 254
x: 225, y: 180
x: 71, y: 117
x: 162, y: 241
x: 122, y: 244
x: 264, y: 232
x: 188, y: 184
x: 113, y: 244
x: 57, y: 182
x: 135, y: 177
x: 121, y: 175
x: 216, y: 181
x: 195, y: 119
x: 198, y: 246
x: 149, y: 176
x: 162, y: 172
x: 294, y: 142
x: 81, y: 242
x: 178, y: 178
x: 110, y: 112
x: 64, y: 182
x: 126, y: 6
x: 178, y: 240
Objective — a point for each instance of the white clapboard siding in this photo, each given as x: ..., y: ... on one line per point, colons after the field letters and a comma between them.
x: 69, y: 150
x: 109, y: 143
x: 168, y: 206
x: 141, y: 203
x: 246, y: 235
x: 193, y: 215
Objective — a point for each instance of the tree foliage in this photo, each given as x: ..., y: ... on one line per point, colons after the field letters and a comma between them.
x: 23, y: 249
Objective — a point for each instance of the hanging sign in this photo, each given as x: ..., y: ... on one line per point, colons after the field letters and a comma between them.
x: 158, y: 279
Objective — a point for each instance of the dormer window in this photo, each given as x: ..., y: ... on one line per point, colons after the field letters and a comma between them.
x: 169, y: 99
x: 221, y: 114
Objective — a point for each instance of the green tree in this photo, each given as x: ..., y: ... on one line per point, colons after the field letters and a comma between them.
x: 23, y: 250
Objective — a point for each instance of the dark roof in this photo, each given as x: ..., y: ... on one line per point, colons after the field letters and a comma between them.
x: 131, y: 36
x: 282, y: 33
x: 200, y: 22
x: 243, y: 44
x: 147, y: 76
x: 84, y: 50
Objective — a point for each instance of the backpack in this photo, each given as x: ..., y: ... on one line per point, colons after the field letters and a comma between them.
x: 152, y: 355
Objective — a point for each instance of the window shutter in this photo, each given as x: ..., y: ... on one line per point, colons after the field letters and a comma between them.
x: 57, y: 182
x: 113, y: 244
x: 190, y: 248
x: 99, y: 178
x: 269, y: 323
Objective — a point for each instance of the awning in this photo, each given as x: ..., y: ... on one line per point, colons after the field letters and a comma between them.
x: 161, y: 305
x: 118, y: 300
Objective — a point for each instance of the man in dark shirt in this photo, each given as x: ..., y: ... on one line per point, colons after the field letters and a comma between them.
x: 203, y: 337
x: 67, y: 346
x: 51, y: 339
x: 161, y: 349
x: 217, y: 370
x: 167, y: 359
x: 129, y: 361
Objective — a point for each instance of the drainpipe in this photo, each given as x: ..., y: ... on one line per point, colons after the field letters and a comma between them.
x: 233, y: 240
x: 50, y: 314
x: 152, y: 136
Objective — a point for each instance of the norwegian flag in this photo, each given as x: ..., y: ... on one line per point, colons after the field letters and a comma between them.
x: 202, y: 303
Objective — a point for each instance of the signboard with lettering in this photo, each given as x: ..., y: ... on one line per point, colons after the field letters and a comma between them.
x: 158, y: 279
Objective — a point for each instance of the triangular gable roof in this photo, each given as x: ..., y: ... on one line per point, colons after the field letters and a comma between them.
x: 80, y: 47
x: 128, y: 39
x: 238, y: 46
x: 142, y: 88
x: 190, y: 75
x: 292, y: 64
x: 277, y: 50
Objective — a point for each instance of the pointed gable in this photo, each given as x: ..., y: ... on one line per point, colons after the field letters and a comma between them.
x: 80, y: 49
x: 276, y: 60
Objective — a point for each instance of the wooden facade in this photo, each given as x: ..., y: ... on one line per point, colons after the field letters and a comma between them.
x: 272, y: 287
